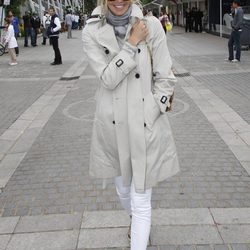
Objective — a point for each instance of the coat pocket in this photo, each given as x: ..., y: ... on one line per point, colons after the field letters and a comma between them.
x: 151, y: 110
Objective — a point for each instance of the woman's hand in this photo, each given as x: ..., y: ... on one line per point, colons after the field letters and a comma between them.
x: 138, y: 33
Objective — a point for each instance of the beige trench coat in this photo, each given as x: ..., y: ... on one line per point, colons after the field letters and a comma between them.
x: 132, y: 136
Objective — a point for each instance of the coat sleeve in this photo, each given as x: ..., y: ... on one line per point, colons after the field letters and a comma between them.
x: 162, y: 68
x: 113, y: 72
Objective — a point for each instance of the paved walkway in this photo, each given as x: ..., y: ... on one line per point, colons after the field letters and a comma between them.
x: 47, y: 199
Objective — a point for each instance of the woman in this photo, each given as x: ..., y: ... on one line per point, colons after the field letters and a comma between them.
x: 132, y: 139
x: 11, y: 40
x: 15, y: 22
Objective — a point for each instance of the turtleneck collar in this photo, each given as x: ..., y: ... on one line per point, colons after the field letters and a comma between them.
x: 119, y: 23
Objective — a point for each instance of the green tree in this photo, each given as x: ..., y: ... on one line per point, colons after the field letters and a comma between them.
x: 15, y: 7
x: 146, y: 1
x: 89, y: 5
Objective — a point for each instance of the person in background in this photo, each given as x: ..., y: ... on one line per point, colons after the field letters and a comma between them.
x: 80, y: 21
x: 15, y: 22
x: 68, y: 23
x: 53, y: 33
x: 76, y: 21
x: 10, y: 39
x: 199, y: 21
x: 188, y: 26
x: 234, y: 39
x: 45, y: 24
x: 164, y: 20
x: 35, y: 25
x: 27, y: 28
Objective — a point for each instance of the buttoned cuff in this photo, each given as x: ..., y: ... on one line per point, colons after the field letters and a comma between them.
x: 125, y: 61
x: 163, y: 101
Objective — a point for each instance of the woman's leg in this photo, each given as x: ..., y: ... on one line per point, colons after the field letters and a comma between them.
x: 12, y: 55
x: 124, y: 194
x: 141, y: 218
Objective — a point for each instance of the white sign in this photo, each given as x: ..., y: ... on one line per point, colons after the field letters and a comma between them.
x: 6, y: 2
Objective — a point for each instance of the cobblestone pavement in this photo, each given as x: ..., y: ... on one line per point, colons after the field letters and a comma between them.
x: 53, y: 176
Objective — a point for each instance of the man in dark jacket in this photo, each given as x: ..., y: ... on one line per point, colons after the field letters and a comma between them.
x: 27, y: 28
x: 35, y: 25
x: 188, y: 20
x: 234, y: 39
x: 53, y: 33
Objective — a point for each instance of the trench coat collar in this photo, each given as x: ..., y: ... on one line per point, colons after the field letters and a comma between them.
x: 106, y: 35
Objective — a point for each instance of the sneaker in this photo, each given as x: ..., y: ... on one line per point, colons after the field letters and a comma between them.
x: 13, y: 63
x: 235, y: 61
x: 227, y: 60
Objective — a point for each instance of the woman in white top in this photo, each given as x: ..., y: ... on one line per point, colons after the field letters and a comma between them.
x: 11, y: 41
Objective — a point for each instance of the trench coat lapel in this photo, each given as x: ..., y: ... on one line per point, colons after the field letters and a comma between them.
x: 106, y: 37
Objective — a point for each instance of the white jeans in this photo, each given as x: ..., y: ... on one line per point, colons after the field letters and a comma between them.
x: 139, y: 206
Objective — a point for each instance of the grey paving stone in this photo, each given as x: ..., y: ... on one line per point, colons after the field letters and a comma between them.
x: 181, y: 217
x: 7, y: 225
x: 5, y: 145
x: 240, y: 246
x: 204, y: 247
x: 4, y: 239
x: 231, y: 215
x: 64, y: 240
x: 26, y: 140
x: 8, y: 166
x: 102, y: 238
x: 235, y: 233
x: 105, y: 219
x: 187, y: 247
x: 29, y: 224
x: 181, y: 235
x: 221, y: 247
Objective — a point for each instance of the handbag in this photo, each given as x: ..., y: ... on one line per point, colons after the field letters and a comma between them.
x: 168, y: 26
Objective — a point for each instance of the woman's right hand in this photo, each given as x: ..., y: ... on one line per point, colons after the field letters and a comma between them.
x: 138, y: 33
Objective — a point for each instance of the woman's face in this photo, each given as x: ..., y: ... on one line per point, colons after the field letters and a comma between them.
x: 118, y: 7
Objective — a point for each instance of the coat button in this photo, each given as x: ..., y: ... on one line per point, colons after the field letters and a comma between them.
x: 107, y: 51
x: 139, y: 50
x: 137, y: 75
x: 143, y: 99
x: 113, y: 122
x: 145, y: 125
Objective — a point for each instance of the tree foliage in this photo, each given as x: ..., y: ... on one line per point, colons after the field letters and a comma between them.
x: 89, y: 5
x: 146, y: 1
x: 15, y: 6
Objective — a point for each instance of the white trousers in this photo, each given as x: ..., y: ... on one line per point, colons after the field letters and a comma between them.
x: 139, y: 206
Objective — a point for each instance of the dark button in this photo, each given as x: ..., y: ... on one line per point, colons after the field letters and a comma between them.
x: 143, y: 99
x: 107, y: 51
x: 154, y: 74
x: 137, y: 75
x: 139, y: 50
x: 113, y: 122
x: 145, y: 125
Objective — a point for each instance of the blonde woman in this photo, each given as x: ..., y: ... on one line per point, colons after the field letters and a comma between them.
x: 132, y: 140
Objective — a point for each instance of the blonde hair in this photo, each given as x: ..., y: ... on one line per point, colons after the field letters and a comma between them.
x: 104, y: 6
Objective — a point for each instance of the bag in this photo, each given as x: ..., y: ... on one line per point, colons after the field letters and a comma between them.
x: 168, y: 26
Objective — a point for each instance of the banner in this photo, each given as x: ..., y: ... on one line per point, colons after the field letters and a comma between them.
x: 6, y: 2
